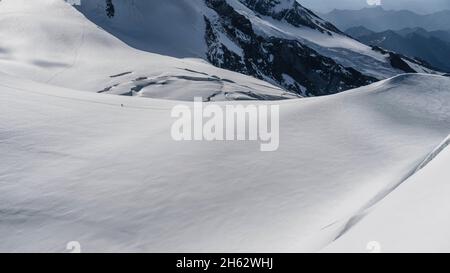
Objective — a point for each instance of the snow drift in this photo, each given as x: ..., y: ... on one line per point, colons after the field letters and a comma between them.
x: 76, y: 166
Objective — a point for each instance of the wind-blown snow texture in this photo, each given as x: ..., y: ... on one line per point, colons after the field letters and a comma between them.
x: 77, y: 166
x: 103, y: 170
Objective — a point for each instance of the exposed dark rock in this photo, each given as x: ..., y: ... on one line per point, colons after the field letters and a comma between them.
x: 287, y: 63
x: 398, y: 62
x: 110, y: 10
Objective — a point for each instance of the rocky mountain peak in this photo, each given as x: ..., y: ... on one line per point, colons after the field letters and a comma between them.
x: 292, y: 12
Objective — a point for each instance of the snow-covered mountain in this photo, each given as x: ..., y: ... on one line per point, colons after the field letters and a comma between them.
x: 51, y: 42
x: 279, y: 41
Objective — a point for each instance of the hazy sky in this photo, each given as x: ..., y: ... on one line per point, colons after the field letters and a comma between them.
x: 421, y: 6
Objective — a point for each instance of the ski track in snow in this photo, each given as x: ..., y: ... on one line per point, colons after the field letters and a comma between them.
x: 383, y: 194
x: 75, y: 60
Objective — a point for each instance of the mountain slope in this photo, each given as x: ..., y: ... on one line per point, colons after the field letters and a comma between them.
x: 50, y: 42
x: 66, y: 178
x: 279, y: 41
x: 80, y: 165
x: 439, y: 34
x: 417, y: 43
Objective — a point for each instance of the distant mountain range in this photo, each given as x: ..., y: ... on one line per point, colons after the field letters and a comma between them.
x: 379, y: 19
x: 430, y: 46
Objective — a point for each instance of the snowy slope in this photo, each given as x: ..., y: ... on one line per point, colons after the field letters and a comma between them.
x: 103, y: 170
x: 75, y: 166
x: 171, y: 27
x: 414, y: 218
x: 50, y: 42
